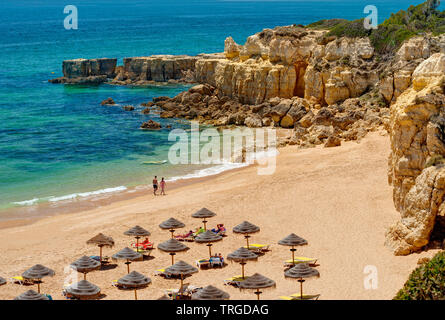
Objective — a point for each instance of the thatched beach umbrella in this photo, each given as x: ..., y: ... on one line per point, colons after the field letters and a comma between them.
x: 172, y: 246
x: 301, y: 272
x: 83, y: 290
x: 2, y: 281
x: 242, y: 255
x: 203, y: 214
x: 257, y: 282
x: 246, y: 228
x: 292, y: 240
x: 134, y: 280
x: 37, y: 273
x: 181, y: 269
x: 210, y: 293
x: 31, y: 295
x: 208, y: 237
x: 85, y: 265
x: 128, y: 255
x: 171, y: 224
x: 101, y: 241
x: 137, y: 232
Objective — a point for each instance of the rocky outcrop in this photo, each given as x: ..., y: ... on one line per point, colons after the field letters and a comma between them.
x: 291, y: 61
x: 151, y: 125
x: 417, y: 131
x: 161, y: 68
x: 87, y: 71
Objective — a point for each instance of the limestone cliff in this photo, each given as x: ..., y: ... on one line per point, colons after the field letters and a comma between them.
x: 417, y: 131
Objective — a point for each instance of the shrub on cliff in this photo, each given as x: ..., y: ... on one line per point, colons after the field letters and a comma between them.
x: 427, y: 282
x: 400, y: 26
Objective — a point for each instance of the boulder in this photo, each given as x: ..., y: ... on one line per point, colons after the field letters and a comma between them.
x: 332, y: 141
x: 151, y: 125
x: 108, y: 101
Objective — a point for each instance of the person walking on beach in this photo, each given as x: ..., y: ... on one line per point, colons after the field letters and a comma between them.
x: 162, y: 184
x: 155, y: 185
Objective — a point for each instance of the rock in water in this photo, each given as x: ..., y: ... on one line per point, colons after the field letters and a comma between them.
x: 151, y: 125
x: 128, y: 108
x: 108, y: 101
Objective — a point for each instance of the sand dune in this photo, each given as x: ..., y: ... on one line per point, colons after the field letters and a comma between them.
x: 337, y: 198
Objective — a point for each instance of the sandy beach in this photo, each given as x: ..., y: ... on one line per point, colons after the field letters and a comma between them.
x: 338, y: 199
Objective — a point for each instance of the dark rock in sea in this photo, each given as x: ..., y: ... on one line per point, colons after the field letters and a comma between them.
x: 151, y: 125
x: 128, y: 108
x: 146, y: 111
x: 108, y: 101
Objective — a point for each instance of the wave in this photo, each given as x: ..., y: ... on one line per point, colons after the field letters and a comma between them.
x: 70, y: 196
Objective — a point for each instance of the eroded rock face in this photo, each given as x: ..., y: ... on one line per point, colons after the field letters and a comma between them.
x: 289, y: 61
x: 416, y: 129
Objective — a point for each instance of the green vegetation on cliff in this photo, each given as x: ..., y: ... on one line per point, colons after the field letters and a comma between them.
x: 427, y: 282
x: 400, y: 26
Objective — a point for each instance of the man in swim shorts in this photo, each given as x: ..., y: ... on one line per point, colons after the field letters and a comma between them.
x: 155, y: 185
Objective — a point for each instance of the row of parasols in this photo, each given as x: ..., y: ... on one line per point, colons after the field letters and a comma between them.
x: 134, y: 280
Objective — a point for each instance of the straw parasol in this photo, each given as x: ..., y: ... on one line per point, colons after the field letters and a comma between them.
x: 101, y: 241
x: 37, y: 273
x: 257, y: 281
x: 292, y: 240
x: 172, y: 246
x: 83, y: 290
x: 137, y: 232
x: 203, y: 214
x: 181, y: 269
x: 2, y: 281
x: 246, y: 228
x: 208, y: 237
x: 242, y: 255
x: 210, y: 293
x: 301, y: 272
x: 31, y: 295
x: 171, y: 224
x: 134, y: 280
x: 128, y: 255
x: 85, y: 265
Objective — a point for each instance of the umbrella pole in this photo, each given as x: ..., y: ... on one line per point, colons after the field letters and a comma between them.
x: 182, y: 283
x: 137, y: 244
x: 210, y: 249
x: 173, y: 257
x: 172, y: 232
x: 84, y: 276
x: 100, y: 254
x: 205, y: 226
x: 38, y: 286
x: 247, y: 240
x: 301, y: 288
x: 258, y: 292
x: 128, y: 265
x: 293, y: 255
x: 135, y: 294
x: 242, y: 268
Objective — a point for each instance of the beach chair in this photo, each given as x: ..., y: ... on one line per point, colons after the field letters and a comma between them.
x: 161, y: 273
x: 235, y: 281
x: 216, y: 262
x: 105, y: 260
x: 258, y: 248
x: 22, y: 281
x: 297, y: 296
x: 311, y: 261
x: 186, y: 237
x: 203, y: 263
x: 198, y: 232
x: 220, y: 230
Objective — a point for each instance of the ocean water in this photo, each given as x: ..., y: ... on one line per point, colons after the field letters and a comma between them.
x: 56, y: 141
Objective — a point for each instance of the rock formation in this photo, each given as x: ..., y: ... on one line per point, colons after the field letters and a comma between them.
x: 87, y: 71
x: 417, y: 131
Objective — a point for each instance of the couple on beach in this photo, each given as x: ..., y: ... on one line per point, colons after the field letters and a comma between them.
x: 155, y: 186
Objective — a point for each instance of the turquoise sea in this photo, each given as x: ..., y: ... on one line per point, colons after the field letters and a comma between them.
x: 56, y: 141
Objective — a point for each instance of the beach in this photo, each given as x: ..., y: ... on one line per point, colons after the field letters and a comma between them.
x: 338, y: 199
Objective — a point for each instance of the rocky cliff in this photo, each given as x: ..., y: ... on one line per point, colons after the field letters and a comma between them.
x: 416, y: 166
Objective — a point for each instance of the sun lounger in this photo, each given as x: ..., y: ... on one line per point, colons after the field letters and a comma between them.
x: 143, y: 246
x: 235, y: 281
x: 22, y: 281
x: 210, y: 263
x: 296, y: 296
x: 161, y: 272
x: 105, y: 260
x: 259, y: 248
x: 311, y: 261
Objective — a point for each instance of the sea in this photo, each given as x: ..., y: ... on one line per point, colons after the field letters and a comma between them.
x: 58, y: 144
